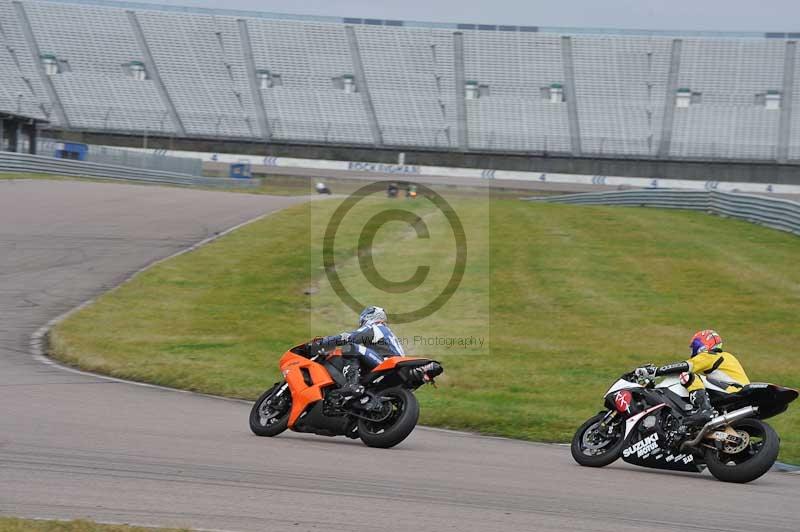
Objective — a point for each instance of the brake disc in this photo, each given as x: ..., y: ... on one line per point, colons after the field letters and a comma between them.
x: 593, y: 439
x: 267, y: 411
x: 736, y: 443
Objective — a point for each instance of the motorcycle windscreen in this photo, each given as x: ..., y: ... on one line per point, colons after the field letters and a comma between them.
x: 646, y: 446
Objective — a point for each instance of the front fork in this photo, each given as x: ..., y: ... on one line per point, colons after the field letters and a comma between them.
x: 608, y: 421
x: 283, y: 388
x: 276, y: 397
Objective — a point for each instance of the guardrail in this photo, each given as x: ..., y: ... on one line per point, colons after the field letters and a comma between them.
x: 37, y: 164
x: 128, y: 158
x: 771, y: 212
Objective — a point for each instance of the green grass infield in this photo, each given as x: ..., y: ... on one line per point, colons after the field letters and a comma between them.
x: 565, y: 298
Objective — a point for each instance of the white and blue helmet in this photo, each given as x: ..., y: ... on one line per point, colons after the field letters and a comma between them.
x: 371, y: 316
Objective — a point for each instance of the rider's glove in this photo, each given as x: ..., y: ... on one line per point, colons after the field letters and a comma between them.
x: 645, y: 372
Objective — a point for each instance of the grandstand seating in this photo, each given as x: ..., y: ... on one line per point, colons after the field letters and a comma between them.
x: 619, y: 88
x: 15, y: 94
x: 410, y: 75
x: 193, y: 64
x: 308, y: 56
x: 620, y: 83
x: 515, y: 66
x: 794, y: 132
x: 96, y: 43
x: 729, y: 73
x: 21, y: 90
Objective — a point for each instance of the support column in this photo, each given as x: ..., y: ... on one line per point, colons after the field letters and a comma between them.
x: 13, y: 139
x: 33, y: 46
x: 571, y: 95
x: 670, y: 97
x: 33, y: 136
x: 255, y: 90
x: 2, y: 133
x: 362, y: 86
x: 785, y: 122
x: 462, y: 136
x: 152, y: 72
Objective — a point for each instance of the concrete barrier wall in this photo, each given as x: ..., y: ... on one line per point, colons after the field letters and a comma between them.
x: 702, y: 170
x: 408, y: 172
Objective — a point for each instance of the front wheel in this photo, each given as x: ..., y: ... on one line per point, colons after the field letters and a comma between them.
x: 270, y: 413
x: 750, y: 459
x: 597, y: 446
x: 393, y: 423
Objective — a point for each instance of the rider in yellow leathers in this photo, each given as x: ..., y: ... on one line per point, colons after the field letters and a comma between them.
x: 721, y: 368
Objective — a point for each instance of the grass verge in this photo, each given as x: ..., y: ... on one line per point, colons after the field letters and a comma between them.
x: 13, y: 524
x: 10, y: 176
x: 568, y: 298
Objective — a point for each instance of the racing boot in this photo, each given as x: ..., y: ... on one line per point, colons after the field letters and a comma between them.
x: 427, y: 372
x: 704, y: 411
x: 352, y: 386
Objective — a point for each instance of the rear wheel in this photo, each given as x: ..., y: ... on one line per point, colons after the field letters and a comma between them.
x: 270, y: 413
x: 596, y: 446
x: 748, y: 461
x: 393, y: 423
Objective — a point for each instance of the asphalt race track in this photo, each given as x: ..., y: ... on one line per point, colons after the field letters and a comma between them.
x: 74, y: 445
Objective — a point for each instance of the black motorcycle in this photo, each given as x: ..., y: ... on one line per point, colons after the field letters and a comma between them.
x: 644, y: 424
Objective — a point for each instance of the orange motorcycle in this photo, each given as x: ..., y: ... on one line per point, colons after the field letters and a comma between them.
x: 309, y: 398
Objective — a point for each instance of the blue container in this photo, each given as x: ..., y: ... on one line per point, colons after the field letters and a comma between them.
x: 72, y: 150
x: 241, y: 170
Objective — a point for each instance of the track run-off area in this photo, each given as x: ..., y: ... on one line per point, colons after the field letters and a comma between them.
x: 79, y: 446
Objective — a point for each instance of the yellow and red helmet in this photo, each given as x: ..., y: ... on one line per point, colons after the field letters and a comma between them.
x: 705, y: 341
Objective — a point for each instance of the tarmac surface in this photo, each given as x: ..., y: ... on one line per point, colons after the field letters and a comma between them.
x: 80, y: 446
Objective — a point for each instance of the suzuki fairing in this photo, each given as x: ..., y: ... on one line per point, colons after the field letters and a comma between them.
x: 643, y: 424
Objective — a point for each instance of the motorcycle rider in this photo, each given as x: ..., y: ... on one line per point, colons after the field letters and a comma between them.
x: 366, y: 346
x: 708, y: 358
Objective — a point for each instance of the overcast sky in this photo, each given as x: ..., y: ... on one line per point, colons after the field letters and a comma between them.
x: 718, y: 15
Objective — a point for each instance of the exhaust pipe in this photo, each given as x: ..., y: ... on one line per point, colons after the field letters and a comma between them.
x: 719, y: 421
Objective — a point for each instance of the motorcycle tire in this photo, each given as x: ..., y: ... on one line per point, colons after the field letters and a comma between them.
x: 278, y: 425
x: 401, y: 421
x: 611, y: 453
x: 728, y: 468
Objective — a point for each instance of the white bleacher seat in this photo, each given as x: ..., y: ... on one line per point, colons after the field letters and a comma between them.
x: 409, y: 71
x: 620, y: 84
x: 728, y: 73
x: 515, y: 66
x: 307, y: 106
x: 620, y: 81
